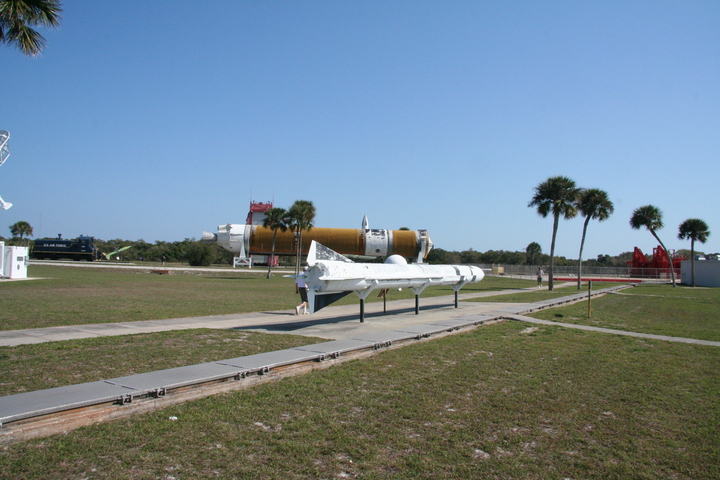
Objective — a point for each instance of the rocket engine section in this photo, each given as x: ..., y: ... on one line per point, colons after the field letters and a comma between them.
x: 247, y: 240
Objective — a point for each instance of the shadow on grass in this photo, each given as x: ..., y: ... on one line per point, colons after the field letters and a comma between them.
x: 300, y: 324
x: 478, y: 289
x: 230, y: 278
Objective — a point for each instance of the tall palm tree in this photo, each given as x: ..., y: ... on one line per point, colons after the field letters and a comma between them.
x: 276, y: 219
x: 21, y: 229
x: 555, y: 195
x: 650, y: 217
x: 593, y: 204
x: 694, y: 229
x: 533, y: 249
x: 18, y: 16
x: 302, y: 214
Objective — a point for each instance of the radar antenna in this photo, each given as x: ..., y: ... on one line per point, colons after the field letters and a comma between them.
x: 4, y: 154
x: 4, y: 150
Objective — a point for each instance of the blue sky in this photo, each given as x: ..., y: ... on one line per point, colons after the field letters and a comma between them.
x: 158, y: 120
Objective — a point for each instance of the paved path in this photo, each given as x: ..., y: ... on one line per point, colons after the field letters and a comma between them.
x: 332, y: 323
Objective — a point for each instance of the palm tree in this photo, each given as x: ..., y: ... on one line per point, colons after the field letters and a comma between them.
x: 533, y: 249
x: 650, y: 217
x: 593, y: 204
x: 694, y: 229
x: 555, y: 195
x: 302, y: 214
x: 21, y: 229
x: 18, y: 16
x: 276, y: 219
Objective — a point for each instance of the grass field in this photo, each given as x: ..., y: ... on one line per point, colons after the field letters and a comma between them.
x: 501, y: 401
x: 656, y: 309
x: 77, y: 296
x: 39, y: 366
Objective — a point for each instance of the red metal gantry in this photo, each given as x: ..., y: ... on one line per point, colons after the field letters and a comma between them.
x: 657, y: 267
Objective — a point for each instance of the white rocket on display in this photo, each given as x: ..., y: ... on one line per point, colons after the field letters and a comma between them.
x: 331, y: 276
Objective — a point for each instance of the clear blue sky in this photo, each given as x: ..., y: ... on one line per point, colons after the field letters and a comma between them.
x: 158, y: 120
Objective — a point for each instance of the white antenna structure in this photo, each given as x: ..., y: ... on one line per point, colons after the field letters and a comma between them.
x: 4, y: 154
x: 4, y: 150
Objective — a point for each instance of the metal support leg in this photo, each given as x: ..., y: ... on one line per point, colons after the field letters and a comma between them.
x: 362, y: 310
x: 417, y: 304
x: 456, y: 299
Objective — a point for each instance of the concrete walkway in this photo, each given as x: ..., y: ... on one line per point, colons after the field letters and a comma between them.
x: 332, y: 323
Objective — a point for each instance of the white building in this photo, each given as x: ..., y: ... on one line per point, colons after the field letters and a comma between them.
x: 13, y: 262
x: 707, y: 272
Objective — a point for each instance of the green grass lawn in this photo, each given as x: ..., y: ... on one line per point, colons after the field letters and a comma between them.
x: 507, y: 400
x: 55, y: 364
x: 543, y: 294
x: 497, y: 402
x: 77, y: 296
x: 656, y: 309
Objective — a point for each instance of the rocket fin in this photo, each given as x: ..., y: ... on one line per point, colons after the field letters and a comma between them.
x: 320, y: 300
x: 321, y: 252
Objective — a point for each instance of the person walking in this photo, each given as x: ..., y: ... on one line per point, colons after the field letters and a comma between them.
x: 301, y: 288
x: 540, y: 274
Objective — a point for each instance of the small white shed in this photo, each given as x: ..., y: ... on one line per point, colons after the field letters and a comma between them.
x: 707, y: 273
x: 13, y: 261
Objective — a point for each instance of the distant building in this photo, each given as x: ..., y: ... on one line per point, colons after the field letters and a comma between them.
x: 707, y: 271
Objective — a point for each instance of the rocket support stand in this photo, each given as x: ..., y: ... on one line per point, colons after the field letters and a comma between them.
x: 362, y: 295
x: 457, y: 288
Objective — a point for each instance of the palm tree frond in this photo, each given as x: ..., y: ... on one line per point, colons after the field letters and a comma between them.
x: 694, y: 229
x: 18, y: 16
x: 648, y: 216
x: 595, y: 203
x: 556, y: 195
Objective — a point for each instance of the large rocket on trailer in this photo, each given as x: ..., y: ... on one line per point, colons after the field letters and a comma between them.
x: 247, y: 239
x: 331, y: 276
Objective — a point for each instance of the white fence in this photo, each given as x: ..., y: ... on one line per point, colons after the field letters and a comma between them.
x: 610, y: 273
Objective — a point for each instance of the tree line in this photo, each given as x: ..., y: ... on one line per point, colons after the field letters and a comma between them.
x: 507, y: 257
x: 298, y: 218
x: 191, y: 249
x: 557, y: 196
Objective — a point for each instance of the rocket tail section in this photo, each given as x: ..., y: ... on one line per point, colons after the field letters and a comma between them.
x: 317, y: 300
x: 318, y: 251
